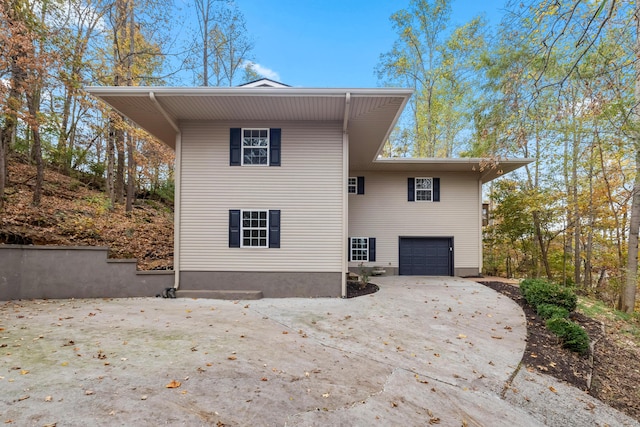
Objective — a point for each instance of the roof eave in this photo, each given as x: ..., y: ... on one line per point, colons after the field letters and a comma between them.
x: 243, y: 91
x: 487, y: 169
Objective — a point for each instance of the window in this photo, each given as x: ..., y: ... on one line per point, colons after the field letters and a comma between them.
x: 423, y: 189
x: 254, y: 228
x: 255, y: 147
x: 362, y: 249
x: 355, y: 185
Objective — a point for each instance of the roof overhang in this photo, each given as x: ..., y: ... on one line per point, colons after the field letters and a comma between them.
x: 370, y: 114
x: 486, y: 169
x: 367, y: 115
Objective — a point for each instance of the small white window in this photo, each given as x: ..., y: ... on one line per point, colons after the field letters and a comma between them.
x: 359, y: 249
x: 424, y: 189
x: 353, y: 185
x: 255, y: 147
x: 255, y: 229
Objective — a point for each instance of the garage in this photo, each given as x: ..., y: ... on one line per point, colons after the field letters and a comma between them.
x: 426, y: 256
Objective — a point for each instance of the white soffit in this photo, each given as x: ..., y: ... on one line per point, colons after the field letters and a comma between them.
x: 372, y: 113
x: 486, y: 169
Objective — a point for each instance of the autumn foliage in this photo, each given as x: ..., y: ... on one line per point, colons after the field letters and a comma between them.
x: 71, y: 213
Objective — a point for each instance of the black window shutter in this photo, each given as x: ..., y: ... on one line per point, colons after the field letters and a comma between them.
x: 349, y: 249
x: 436, y: 189
x: 235, y: 147
x: 411, y: 196
x: 372, y: 249
x: 234, y: 228
x: 275, y: 145
x: 360, y: 189
x: 274, y: 229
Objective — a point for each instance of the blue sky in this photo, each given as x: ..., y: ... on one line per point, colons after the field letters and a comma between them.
x: 333, y: 43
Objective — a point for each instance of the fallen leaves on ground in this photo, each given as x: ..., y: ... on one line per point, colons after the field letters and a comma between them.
x: 174, y: 384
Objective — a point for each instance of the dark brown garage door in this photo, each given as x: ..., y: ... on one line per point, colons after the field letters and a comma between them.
x: 426, y: 256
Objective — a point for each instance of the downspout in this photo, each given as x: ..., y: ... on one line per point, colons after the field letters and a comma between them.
x: 177, y: 198
x: 480, y: 202
x: 345, y: 193
x: 177, y: 209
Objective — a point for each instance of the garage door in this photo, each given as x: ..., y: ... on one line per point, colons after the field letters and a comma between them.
x: 426, y: 256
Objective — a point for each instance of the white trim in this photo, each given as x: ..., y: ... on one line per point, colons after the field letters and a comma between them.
x: 242, y: 146
x: 366, y: 253
x: 354, y: 185
x: 266, y: 228
x: 177, y: 209
x: 416, y: 189
x: 247, y: 91
x: 262, y: 83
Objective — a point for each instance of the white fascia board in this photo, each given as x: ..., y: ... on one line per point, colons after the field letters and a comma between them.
x: 243, y: 91
x: 451, y: 160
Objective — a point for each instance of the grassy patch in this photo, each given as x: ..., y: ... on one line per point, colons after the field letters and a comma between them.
x: 628, y: 324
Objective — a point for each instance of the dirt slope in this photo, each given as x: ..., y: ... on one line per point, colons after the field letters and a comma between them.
x: 72, y: 214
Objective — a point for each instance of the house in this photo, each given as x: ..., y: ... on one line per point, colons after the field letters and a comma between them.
x: 282, y: 190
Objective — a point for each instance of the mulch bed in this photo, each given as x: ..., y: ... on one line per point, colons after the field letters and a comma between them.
x: 615, y: 376
x: 355, y: 289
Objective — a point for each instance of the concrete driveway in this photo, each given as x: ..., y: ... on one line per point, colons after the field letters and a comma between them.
x: 441, y: 351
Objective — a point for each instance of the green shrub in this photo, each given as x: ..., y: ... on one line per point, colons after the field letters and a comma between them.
x: 572, y: 335
x: 539, y: 292
x: 551, y: 311
x: 526, y: 283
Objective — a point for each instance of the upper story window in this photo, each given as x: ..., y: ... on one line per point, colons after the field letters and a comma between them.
x: 424, y: 189
x: 255, y: 147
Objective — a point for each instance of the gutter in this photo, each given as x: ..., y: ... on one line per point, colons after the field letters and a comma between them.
x: 239, y: 91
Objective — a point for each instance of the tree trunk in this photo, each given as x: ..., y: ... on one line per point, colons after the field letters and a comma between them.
x: 131, y: 169
x: 628, y: 297
x: 119, y: 178
x: 588, y: 275
x: 33, y: 106
x: 111, y: 161
x: 544, y: 255
x: 3, y: 168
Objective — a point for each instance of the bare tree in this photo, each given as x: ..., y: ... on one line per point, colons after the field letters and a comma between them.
x: 224, y: 46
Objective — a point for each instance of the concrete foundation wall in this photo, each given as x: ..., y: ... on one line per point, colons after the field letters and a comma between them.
x: 272, y: 284
x: 29, y: 272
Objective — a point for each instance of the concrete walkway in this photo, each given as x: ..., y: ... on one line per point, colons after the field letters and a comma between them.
x: 443, y: 351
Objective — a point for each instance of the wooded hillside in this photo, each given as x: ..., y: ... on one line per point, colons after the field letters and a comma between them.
x: 72, y: 213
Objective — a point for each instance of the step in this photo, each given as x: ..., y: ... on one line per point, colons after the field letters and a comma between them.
x: 219, y: 294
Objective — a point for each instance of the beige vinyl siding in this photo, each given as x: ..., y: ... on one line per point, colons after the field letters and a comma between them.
x: 383, y: 212
x: 307, y: 189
